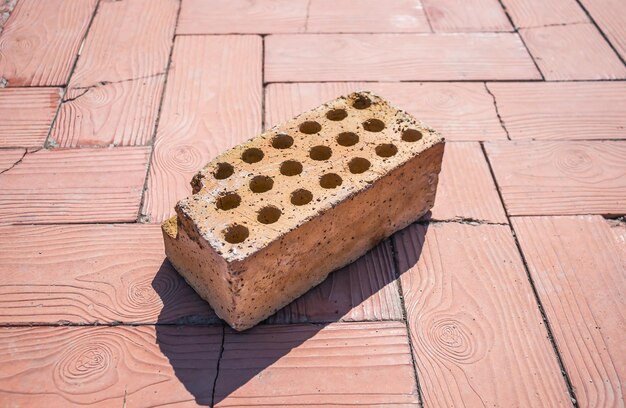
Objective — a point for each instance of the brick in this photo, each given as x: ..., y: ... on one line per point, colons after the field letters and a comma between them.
x: 388, y: 57
x: 460, y: 111
x: 580, y: 274
x: 40, y: 41
x: 563, y: 110
x: 610, y: 15
x: 340, y: 177
x: 472, y: 317
x: 466, y: 16
x: 539, y: 13
x: 86, y: 185
x: 560, y: 178
x: 570, y: 52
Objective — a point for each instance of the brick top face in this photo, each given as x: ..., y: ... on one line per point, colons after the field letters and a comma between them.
x: 258, y: 191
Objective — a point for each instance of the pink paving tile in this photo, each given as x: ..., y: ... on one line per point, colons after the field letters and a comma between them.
x: 563, y: 110
x: 460, y: 111
x: 114, y: 93
x: 40, y: 42
x: 86, y: 274
x: 87, y: 185
x: 560, y: 178
x: 466, y: 15
x: 473, y: 319
x: 27, y: 115
x: 207, y: 108
x: 296, y: 365
x: 580, y: 276
x: 392, y: 57
x: 10, y: 158
x: 108, y: 366
x: 575, y: 51
x: 538, y: 13
x: 610, y: 15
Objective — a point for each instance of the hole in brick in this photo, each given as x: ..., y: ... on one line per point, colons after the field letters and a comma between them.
x: 320, y: 153
x: 347, y: 139
x: 362, y: 102
x: 330, y: 180
x: 359, y: 165
x: 386, y: 150
x: 282, y: 141
x: 268, y: 215
x: 373, y: 125
x: 223, y: 171
x: 301, y: 197
x: 310, y: 127
x: 252, y: 155
x: 236, y: 233
x: 228, y: 201
x: 261, y: 184
x: 411, y: 135
x: 290, y: 168
x: 337, y: 114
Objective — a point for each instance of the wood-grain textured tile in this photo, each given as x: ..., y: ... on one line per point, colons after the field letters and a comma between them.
x: 459, y: 111
x: 40, y: 42
x: 560, y: 178
x: 86, y: 185
x: 473, y: 319
x: 563, y: 110
x: 212, y: 102
x: 114, y: 93
x: 458, y: 16
x: 392, y: 57
x: 539, y: 13
x: 27, y: 115
x: 610, y: 15
x: 9, y: 158
x: 365, y: 290
x: 86, y: 274
x: 365, y: 364
x: 575, y: 51
x: 580, y: 275
x: 107, y: 366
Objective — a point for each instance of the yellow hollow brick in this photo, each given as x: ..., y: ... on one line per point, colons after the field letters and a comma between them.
x: 272, y: 217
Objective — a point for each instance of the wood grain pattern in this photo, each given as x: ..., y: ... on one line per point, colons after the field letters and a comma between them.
x: 610, y: 15
x: 27, y: 115
x: 559, y: 178
x: 473, y: 319
x: 538, y: 13
x: 580, y: 276
x: 87, y: 185
x: 362, y: 291
x: 86, y: 274
x: 388, y: 57
x: 466, y: 16
x: 459, y: 111
x: 300, y: 365
x: 619, y: 231
x: 107, y: 366
x: 556, y: 50
x: 563, y: 110
x: 9, y: 158
x: 212, y: 102
x: 40, y: 42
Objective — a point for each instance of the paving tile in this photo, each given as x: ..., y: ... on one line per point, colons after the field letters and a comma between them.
x: 108, y: 366
x: 340, y: 364
x: 473, y: 319
x: 466, y: 15
x: 114, y: 93
x: 9, y: 158
x: 86, y: 274
x: 208, y: 107
x: 392, y: 57
x: 560, y: 178
x: 580, y: 275
x: 575, y: 51
x: 460, y: 111
x: 538, y: 13
x: 365, y: 290
x: 40, y: 42
x: 87, y: 185
x: 562, y: 110
x: 610, y: 15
